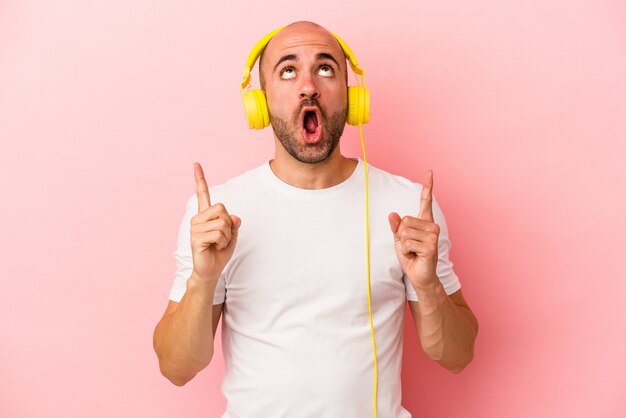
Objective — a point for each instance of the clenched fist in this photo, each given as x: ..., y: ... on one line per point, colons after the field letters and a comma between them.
x: 213, y: 233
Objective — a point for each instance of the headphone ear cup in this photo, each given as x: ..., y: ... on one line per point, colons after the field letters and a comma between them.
x: 255, y: 106
x: 358, y: 105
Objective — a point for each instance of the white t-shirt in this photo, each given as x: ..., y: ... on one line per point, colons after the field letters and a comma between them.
x: 296, y: 337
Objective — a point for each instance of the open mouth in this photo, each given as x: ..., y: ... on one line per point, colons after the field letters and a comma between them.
x: 311, y: 125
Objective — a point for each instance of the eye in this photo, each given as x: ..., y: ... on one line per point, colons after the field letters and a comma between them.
x: 287, y: 73
x: 326, y: 70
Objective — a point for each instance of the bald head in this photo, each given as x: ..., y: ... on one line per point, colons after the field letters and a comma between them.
x: 293, y: 32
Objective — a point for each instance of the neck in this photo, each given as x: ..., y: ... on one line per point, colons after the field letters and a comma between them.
x: 330, y: 172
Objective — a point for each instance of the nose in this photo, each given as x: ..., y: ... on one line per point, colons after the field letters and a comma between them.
x: 308, y: 88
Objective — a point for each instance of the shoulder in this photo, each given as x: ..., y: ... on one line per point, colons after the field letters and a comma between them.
x: 378, y: 174
x: 399, y: 193
x: 393, y: 184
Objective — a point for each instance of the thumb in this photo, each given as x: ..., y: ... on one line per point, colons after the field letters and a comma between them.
x: 236, y: 224
x: 394, y: 223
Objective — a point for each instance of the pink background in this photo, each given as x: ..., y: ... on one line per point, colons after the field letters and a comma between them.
x: 520, y: 110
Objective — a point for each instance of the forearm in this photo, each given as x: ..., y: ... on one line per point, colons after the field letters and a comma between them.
x: 447, y: 332
x: 183, y: 340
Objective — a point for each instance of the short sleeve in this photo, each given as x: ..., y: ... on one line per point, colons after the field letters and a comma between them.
x: 184, y: 259
x: 446, y: 274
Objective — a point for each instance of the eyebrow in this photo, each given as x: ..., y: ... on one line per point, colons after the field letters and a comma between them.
x: 293, y: 57
x: 325, y: 55
x: 290, y: 57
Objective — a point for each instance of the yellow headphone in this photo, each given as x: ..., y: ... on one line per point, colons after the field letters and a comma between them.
x: 255, y: 104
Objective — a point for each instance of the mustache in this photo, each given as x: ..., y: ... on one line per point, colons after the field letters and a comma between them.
x: 308, y: 103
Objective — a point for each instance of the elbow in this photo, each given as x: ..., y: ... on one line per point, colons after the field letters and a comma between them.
x: 457, y: 370
x: 178, y: 369
x: 177, y: 375
x: 468, y: 354
x: 177, y: 379
x: 459, y: 366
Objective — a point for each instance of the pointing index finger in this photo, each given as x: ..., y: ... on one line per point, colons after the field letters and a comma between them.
x: 202, y: 190
x: 426, y: 199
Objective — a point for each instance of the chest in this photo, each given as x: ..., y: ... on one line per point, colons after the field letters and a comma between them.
x: 302, y: 254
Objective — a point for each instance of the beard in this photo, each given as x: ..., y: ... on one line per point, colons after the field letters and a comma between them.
x: 288, y: 134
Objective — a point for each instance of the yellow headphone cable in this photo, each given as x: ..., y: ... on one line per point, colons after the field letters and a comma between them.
x: 367, y: 256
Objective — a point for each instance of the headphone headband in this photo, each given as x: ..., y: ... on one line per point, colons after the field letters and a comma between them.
x: 255, y: 102
x: 258, y: 49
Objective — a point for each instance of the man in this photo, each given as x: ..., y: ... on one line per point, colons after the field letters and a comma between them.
x: 287, y: 272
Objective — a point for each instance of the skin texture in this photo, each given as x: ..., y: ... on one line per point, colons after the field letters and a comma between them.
x: 308, y: 80
x: 289, y: 132
x: 446, y: 326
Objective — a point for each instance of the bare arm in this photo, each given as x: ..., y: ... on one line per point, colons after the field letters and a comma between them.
x: 446, y: 326
x: 183, y: 338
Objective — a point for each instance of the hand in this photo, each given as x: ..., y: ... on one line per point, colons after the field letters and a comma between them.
x: 416, y: 240
x: 213, y: 233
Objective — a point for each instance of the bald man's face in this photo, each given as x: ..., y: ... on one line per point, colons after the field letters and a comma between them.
x: 304, y: 70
